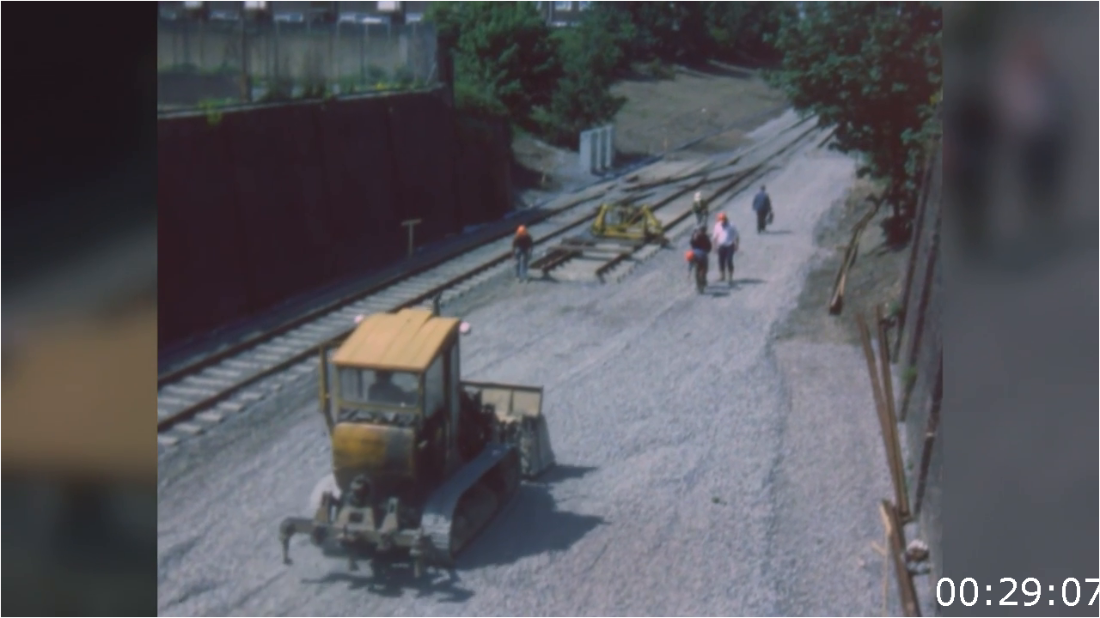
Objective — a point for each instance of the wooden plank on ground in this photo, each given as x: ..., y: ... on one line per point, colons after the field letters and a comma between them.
x: 890, y: 442
x: 908, y: 592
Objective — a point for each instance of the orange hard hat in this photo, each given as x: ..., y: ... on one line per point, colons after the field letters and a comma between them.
x: 689, y: 255
x: 721, y: 216
x: 521, y: 229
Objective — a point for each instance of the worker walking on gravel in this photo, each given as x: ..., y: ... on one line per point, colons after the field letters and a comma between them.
x: 762, y: 206
x: 699, y: 207
x: 726, y: 239
x: 700, y: 257
x: 522, y: 245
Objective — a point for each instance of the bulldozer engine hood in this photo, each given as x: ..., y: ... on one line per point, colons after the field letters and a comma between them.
x: 378, y: 451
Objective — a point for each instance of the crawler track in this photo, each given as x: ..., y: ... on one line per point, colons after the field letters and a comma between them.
x: 191, y: 399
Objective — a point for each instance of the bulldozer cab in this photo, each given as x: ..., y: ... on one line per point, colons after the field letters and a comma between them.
x: 390, y: 395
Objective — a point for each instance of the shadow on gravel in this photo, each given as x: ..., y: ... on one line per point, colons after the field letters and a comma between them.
x: 531, y: 524
x: 777, y: 232
x: 395, y: 580
x: 738, y: 283
x: 528, y: 526
x: 721, y: 290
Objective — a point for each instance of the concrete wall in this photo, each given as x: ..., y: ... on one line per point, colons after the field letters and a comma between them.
x: 920, y: 347
x: 298, y: 51
x: 259, y: 206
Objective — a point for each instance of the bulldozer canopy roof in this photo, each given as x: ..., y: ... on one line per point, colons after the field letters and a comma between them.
x: 404, y: 341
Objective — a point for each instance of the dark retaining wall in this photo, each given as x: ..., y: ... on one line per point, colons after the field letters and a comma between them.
x: 262, y: 205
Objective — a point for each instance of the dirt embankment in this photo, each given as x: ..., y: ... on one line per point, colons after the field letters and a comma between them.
x: 660, y: 114
x: 873, y: 280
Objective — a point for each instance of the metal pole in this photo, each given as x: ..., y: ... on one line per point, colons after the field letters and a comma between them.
x: 246, y: 90
x: 411, y: 223
x: 334, y: 49
x: 275, y: 83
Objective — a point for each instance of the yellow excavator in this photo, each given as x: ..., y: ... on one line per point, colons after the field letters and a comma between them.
x: 628, y: 222
x: 421, y: 460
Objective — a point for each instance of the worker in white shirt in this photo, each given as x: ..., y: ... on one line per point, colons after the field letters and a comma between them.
x: 726, y: 239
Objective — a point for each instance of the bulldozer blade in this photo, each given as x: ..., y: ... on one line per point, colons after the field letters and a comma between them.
x: 521, y: 423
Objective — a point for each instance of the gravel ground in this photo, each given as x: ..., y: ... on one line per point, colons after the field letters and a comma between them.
x: 704, y: 468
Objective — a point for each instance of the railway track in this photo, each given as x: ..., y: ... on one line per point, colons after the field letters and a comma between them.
x: 192, y: 399
x: 588, y: 258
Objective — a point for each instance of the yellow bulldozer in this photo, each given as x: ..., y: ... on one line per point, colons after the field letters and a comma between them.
x: 421, y: 460
x: 628, y: 222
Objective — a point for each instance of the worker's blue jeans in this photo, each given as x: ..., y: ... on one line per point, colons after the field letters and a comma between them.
x: 523, y: 257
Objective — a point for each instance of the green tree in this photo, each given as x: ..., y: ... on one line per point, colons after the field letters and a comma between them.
x: 872, y: 70
x: 667, y: 31
x: 505, y: 61
x: 592, y: 54
x: 745, y: 31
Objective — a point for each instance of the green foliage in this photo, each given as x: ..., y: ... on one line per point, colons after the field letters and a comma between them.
x: 692, y: 32
x: 668, y: 31
x: 909, y: 377
x: 504, y: 58
x: 591, y: 56
x: 508, y: 63
x: 746, y: 31
x: 211, y: 107
x: 872, y: 70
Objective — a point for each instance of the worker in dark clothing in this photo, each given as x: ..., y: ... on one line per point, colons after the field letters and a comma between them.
x: 522, y: 245
x: 762, y: 206
x: 386, y: 392
x: 701, y: 248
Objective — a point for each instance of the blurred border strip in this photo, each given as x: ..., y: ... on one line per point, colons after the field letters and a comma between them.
x: 78, y: 368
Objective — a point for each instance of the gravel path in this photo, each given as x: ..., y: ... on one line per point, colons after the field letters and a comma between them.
x: 703, y: 467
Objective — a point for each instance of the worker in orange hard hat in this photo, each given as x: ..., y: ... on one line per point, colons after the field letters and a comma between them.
x: 522, y: 245
x: 700, y: 251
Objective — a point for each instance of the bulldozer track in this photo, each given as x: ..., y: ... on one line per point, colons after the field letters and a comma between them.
x: 437, y: 520
x: 194, y: 398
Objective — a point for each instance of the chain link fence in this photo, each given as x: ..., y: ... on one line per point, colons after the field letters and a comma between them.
x: 201, y: 62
